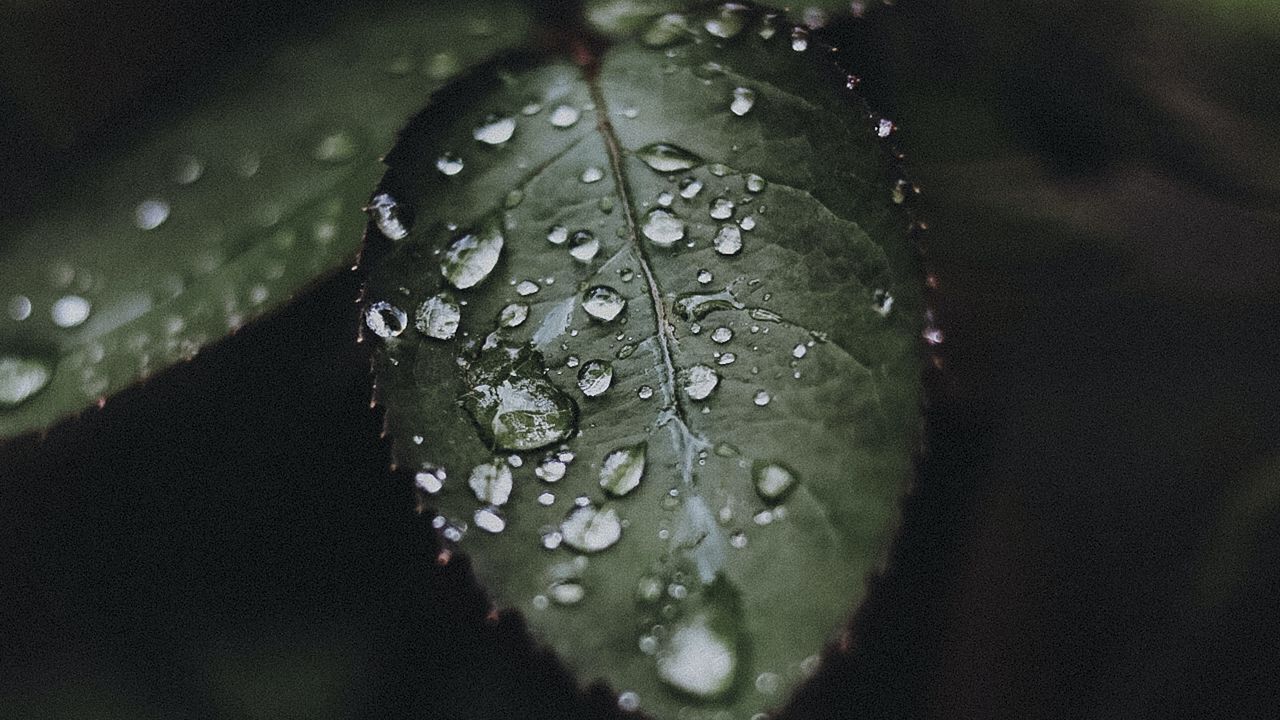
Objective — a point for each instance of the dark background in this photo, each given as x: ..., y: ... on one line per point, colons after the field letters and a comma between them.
x: 1097, y: 520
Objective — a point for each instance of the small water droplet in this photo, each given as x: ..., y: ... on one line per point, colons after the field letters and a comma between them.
x: 705, y: 276
x: 728, y: 21
x: 628, y: 701
x: 882, y: 302
x: 592, y: 174
x: 726, y: 359
x: 526, y: 288
x: 584, y: 246
x: 666, y: 158
x: 799, y: 39
x: 430, y: 480
x: 623, y: 469
x: 728, y: 241
x: 566, y: 592
x: 513, y: 315
x: 595, y: 377
x: 755, y: 183
x: 748, y: 223
x: 743, y: 100
x: 551, y: 469
x: 767, y: 683
x: 590, y: 529
x: 700, y: 381
x: 665, y: 199
x: 491, y: 482
x: 385, y: 320
x: 557, y: 234
x: 513, y: 199
x: 70, y: 311
x: 884, y: 128
x: 385, y: 212
x: 336, y: 147
x: 151, y: 214
x: 449, y: 164
x: 441, y: 65
x: 546, y: 499
x: 438, y: 317
x: 762, y: 398
x: 603, y: 303
x: 187, y: 169
x: 495, y: 130
x: 722, y: 335
x: 564, y: 116
x: 20, y: 378
x: 721, y: 208
x: 738, y: 539
x: 799, y: 351
x: 690, y: 187
x: 662, y: 227
x: 19, y: 307
x: 490, y: 520
x: 773, y: 481
x: 471, y: 258
x: 645, y: 392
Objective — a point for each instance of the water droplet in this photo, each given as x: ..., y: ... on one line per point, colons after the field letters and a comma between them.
x: 623, y: 469
x: 884, y: 128
x: 595, y: 377
x: 773, y: 481
x: 743, y: 100
x: 385, y: 212
x: 471, y: 258
x: 799, y: 39
x: 767, y: 683
x: 755, y: 183
x: 187, y: 169
x: 933, y: 334
x: 20, y: 378
x: 662, y: 228
x: 490, y: 520
x: 495, y: 130
x: 700, y: 655
x: 726, y: 359
x: 882, y: 302
x: 626, y: 351
x: 728, y: 22
x: 19, y: 307
x: 690, y: 187
x: 564, y: 116
x: 799, y: 351
x: 591, y: 529
x: 69, y: 311
x: 557, y: 234
x: 747, y: 223
x: 700, y: 381
x: 722, y: 335
x: 526, y: 288
x: 335, y: 147
x: 645, y: 392
x: 721, y: 208
x: 566, y: 592
x: 551, y: 469
x: 705, y: 276
x: 728, y: 241
x: 584, y: 246
x: 665, y: 199
x: 513, y: 315
x: 430, y: 480
x: 449, y: 164
x: 150, y: 214
x: 665, y: 30
x: 603, y: 303
x: 628, y: 701
x: 764, y: 314
x: 592, y: 174
x: 385, y: 320
x: 513, y: 404
x: 667, y: 158
x: 441, y: 65
x: 491, y: 482
x: 438, y: 317
x: 695, y: 306
x: 762, y: 398
x: 513, y: 199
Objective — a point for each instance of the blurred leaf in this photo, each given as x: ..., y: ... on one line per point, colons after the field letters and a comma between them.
x: 680, y: 458
x: 198, y: 228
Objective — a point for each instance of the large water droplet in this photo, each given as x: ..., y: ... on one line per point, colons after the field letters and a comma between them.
x: 591, y: 529
x: 20, y: 378
x: 700, y: 654
x: 700, y: 381
x: 449, y: 164
x: 385, y: 320
x: 513, y: 315
x: 564, y: 116
x: 603, y: 303
x: 595, y: 377
x: 662, y: 227
x: 584, y: 246
x: 491, y: 482
x: 385, y: 212
x: 471, y: 258
x: 728, y: 241
x: 667, y: 158
x: 69, y: 311
x: 728, y: 21
x: 438, y: 317
x: 743, y: 100
x: 623, y: 469
x: 495, y: 130
x: 513, y: 404
x: 774, y: 481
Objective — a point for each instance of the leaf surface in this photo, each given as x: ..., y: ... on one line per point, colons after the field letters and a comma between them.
x: 202, y: 225
x: 639, y: 355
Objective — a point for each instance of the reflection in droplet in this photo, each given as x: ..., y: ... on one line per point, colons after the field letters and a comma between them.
x: 595, y: 377
x: 700, y: 381
x: 385, y: 320
x: 70, y: 311
x: 385, y: 212
x: 584, y: 246
x: 495, y: 130
x: 665, y: 158
x: 773, y: 481
x: 449, y: 164
x: 20, y: 378
x: 591, y: 529
x: 728, y: 241
x: 151, y: 214
x: 471, y: 258
x: 743, y: 100
x: 623, y: 469
x: 438, y: 317
x: 564, y: 116
x: 662, y: 227
x: 603, y: 303
x: 491, y: 482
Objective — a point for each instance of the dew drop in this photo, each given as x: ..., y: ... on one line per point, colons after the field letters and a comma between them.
x: 603, y: 303
x: 584, y: 246
x: 438, y: 317
x: 666, y: 158
x: 430, y: 480
x: 726, y: 359
x: 471, y: 258
x: 150, y: 214
x: 546, y: 499
x: 566, y: 592
x: 592, y: 174
x: 449, y: 164
x: 385, y: 320
x: 799, y: 351
x: 385, y: 212
x: 595, y: 377
x: 491, y: 482
x: 513, y: 315
x: 490, y: 520
x: 513, y: 404
x: 557, y: 234
x: 799, y: 39
x: 441, y: 65
x: 526, y: 288
x: 762, y: 398
x: 20, y: 378
x: 591, y: 529
x: 19, y: 307
x: 690, y: 187
x: 748, y: 223
x: 773, y: 481
x: 721, y: 209
x: 564, y: 116
x: 743, y: 100
x: 187, y: 169
x: 645, y: 392
x: 495, y: 130
x: 755, y: 183
x: 722, y: 335
x: 700, y: 381
x: 70, y: 311
x: 665, y: 199
x: 767, y: 683
x: 551, y: 469
x: 623, y: 469
x: 662, y: 227
x: 705, y: 276
x: 728, y: 241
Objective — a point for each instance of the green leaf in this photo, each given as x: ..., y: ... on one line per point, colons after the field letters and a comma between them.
x: 205, y: 224
x: 767, y: 390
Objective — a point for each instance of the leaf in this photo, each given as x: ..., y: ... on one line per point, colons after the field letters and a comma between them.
x: 768, y: 391
x: 250, y: 198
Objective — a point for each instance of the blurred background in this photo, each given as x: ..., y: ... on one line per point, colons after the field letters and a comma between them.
x: 1097, y: 522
